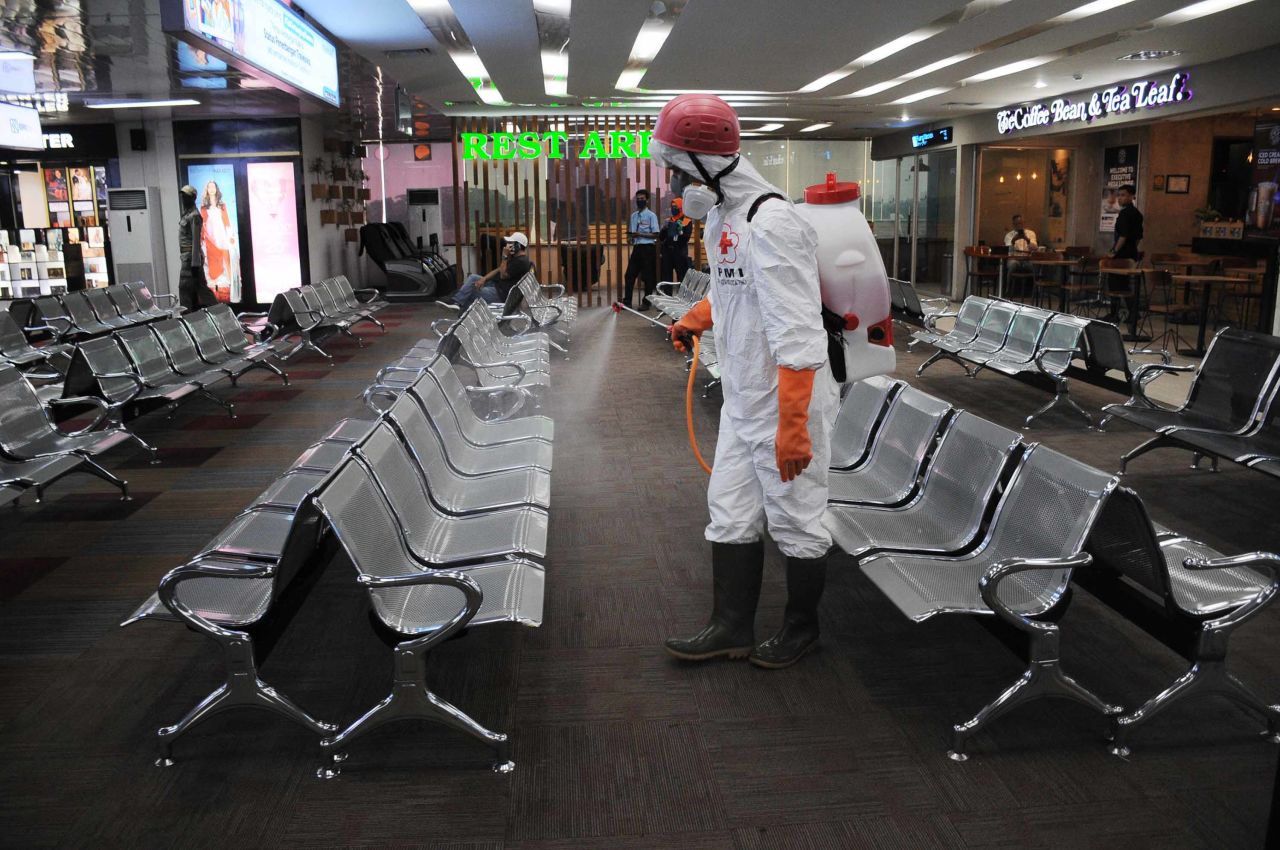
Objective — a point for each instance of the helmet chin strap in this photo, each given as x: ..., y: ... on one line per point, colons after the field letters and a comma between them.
x: 714, y: 182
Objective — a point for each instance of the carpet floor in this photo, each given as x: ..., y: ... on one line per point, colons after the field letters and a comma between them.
x: 615, y: 745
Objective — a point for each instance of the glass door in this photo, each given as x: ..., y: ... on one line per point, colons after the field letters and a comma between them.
x: 912, y: 210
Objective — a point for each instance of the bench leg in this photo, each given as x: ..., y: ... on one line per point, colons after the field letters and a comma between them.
x: 411, y: 700
x: 1196, y: 457
x: 939, y: 355
x: 355, y: 336
x: 243, y: 689
x: 271, y: 367
x: 1062, y: 394
x: 1159, y: 441
x: 226, y: 405
x: 92, y: 467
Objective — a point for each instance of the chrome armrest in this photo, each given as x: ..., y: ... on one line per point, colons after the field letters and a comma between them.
x: 104, y: 410
x: 138, y: 386
x: 520, y: 370
x: 521, y: 394
x: 379, y: 390
x: 374, y: 294
x: 157, y: 296
x: 1267, y: 562
x: 59, y: 335
x: 446, y: 322
x: 557, y: 287
x: 931, y: 319
x: 317, y: 323
x: 667, y: 283
x: 395, y: 367
x: 990, y: 582
x: 1137, y: 385
x: 197, y: 569
x: 513, y: 317
x: 48, y: 328
x: 1039, y: 358
x: 1163, y: 354
x: 556, y: 307
x: 472, y: 599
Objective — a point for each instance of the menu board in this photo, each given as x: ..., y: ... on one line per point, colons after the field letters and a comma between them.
x: 1261, y: 216
x: 1119, y: 167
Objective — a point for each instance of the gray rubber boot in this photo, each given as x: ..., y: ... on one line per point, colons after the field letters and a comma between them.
x: 737, y: 570
x: 806, y: 577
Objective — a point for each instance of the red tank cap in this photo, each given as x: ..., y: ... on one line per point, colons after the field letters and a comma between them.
x: 832, y: 192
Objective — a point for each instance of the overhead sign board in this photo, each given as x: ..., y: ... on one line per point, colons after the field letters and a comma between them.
x: 931, y: 138
x: 1085, y: 109
x: 614, y: 144
x: 20, y: 128
x: 261, y: 37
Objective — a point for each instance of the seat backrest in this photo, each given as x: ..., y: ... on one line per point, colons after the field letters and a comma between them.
x: 966, y: 469
x: 101, y: 304
x: 179, y: 345
x: 1105, y: 347
x: 397, y: 474
x: 1025, y: 332
x: 1062, y: 332
x: 328, y: 291
x: 50, y: 307
x: 148, y: 357
x: 122, y: 297
x: 285, y: 309
x: 1235, y: 375
x: 436, y: 406
x: 861, y: 410
x: 102, y: 356
x: 969, y: 317
x: 80, y: 311
x: 365, y: 525
x: 12, y: 339
x: 311, y: 298
x: 441, y: 371
x: 1124, y: 540
x: 1047, y: 511
x: 996, y: 321
x: 142, y: 294
x: 422, y: 440
x: 205, y: 333
x: 903, y: 296
x: 229, y: 328
x: 22, y: 416
x: 906, y: 436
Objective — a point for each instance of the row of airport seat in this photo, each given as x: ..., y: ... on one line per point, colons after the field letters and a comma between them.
x: 946, y: 512
x: 316, y: 311
x: 93, y: 312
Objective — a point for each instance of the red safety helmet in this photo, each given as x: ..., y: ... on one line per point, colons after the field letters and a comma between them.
x: 700, y: 123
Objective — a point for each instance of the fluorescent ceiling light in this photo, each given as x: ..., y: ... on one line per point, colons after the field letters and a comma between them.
x: 1040, y: 84
x: 822, y: 125
x: 1097, y: 7
x: 938, y: 66
x: 825, y: 80
x: 555, y: 64
x: 141, y: 104
x: 1197, y: 10
x: 921, y: 95
x: 766, y: 128
x: 433, y: 7
x: 630, y: 79
x: 553, y: 7
x: 877, y: 88
x: 898, y: 44
x: 469, y: 64
x: 490, y: 95
x: 1011, y: 68
x: 556, y: 86
x: 650, y: 40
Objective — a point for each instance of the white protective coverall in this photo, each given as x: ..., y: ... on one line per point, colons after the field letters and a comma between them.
x: 766, y: 307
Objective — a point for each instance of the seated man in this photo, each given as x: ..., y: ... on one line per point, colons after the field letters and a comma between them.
x: 494, y: 287
x: 1021, y: 240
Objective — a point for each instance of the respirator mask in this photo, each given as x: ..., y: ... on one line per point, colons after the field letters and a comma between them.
x: 699, y: 199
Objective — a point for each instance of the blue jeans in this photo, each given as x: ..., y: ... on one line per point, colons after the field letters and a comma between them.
x: 471, y: 290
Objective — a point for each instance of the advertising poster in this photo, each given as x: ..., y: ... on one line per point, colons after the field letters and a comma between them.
x: 273, y: 227
x: 81, y: 184
x: 1261, y: 216
x: 1119, y: 167
x: 215, y: 187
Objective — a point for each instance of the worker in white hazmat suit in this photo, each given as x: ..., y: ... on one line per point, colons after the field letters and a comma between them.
x: 773, y: 448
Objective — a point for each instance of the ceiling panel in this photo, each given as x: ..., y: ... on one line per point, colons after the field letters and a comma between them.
x: 601, y: 33
x: 505, y: 35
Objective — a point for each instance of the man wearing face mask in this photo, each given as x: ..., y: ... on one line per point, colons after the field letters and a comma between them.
x: 774, y: 447
x: 675, y: 242
x: 643, y: 230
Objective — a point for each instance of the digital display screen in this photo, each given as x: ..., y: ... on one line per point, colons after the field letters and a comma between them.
x: 267, y: 36
x: 929, y: 138
x: 20, y: 128
x: 273, y: 227
x: 215, y: 187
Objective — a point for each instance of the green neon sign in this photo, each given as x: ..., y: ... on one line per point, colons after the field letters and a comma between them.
x: 614, y: 144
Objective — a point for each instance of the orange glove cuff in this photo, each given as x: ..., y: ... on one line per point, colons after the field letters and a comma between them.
x: 792, y: 445
x: 697, y: 320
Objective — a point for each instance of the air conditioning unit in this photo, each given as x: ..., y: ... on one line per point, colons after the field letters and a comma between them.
x: 425, y: 222
x: 137, y: 237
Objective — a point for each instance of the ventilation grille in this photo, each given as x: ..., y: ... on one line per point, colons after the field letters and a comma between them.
x: 126, y: 199
x: 406, y: 53
x: 418, y: 197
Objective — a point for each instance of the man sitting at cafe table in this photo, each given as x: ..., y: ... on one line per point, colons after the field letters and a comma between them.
x: 1020, y: 240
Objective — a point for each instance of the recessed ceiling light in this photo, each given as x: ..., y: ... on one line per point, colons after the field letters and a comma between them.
x: 140, y: 104
x: 1148, y: 55
x: 1040, y: 84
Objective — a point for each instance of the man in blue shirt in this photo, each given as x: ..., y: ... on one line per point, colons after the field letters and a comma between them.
x: 643, y: 231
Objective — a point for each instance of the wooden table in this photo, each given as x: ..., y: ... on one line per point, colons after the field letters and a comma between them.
x: 1205, y: 282
x: 1062, y: 264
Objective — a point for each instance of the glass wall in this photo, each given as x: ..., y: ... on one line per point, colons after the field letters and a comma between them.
x: 1031, y: 182
x: 912, y: 209
x: 791, y: 165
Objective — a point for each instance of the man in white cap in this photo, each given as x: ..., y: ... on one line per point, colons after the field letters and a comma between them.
x: 494, y: 287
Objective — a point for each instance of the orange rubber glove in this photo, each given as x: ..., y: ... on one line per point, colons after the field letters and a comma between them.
x: 697, y: 320
x: 792, y: 446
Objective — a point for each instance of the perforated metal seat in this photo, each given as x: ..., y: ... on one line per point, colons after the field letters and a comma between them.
x: 902, y: 446
x: 349, y: 430
x: 946, y: 514
x: 351, y: 297
x: 1019, y: 346
x: 425, y: 605
x: 106, y: 311
x: 164, y: 305
x: 992, y: 332
x: 211, y: 349
x: 184, y: 356
x: 87, y: 321
x: 18, y: 476
x: 287, y: 493
x: 860, y: 411
x: 507, y: 427
x: 967, y: 320
x: 467, y: 457
x: 323, y: 456
x: 334, y: 305
x: 53, y: 314
x: 257, y: 535
x: 455, y: 491
x: 1020, y: 572
x: 236, y: 339
x: 480, y: 325
x: 127, y: 305
x: 152, y: 365
x: 16, y: 349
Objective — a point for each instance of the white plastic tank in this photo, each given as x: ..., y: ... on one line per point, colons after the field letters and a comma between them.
x: 852, y: 276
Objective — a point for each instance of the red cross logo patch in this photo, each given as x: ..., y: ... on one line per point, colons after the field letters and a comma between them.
x: 728, y: 246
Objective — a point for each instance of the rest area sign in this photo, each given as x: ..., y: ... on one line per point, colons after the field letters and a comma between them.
x: 614, y: 144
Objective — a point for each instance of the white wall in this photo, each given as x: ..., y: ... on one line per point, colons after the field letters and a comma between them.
x: 156, y: 166
x: 328, y: 252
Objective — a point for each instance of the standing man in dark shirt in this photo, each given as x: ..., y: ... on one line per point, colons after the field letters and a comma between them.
x: 494, y: 287
x: 1128, y: 235
x: 1128, y: 225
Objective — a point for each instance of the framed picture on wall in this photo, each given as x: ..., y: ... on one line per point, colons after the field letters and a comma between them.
x: 1157, y: 183
x: 1177, y: 184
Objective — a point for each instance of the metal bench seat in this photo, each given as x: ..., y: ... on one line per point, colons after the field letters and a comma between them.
x: 38, y: 474
x: 1203, y: 594
x: 1257, y: 444
x: 457, y: 492
x: 319, y: 298
x: 257, y: 535
x: 115, y: 300
x: 902, y: 447
x: 323, y: 456
x: 16, y: 349
x: 991, y: 335
x: 106, y: 311
x: 480, y: 347
x: 212, y: 350
x: 946, y: 514
x: 351, y: 297
x: 152, y: 365
x: 507, y: 427
x: 228, y: 603
x: 100, y: 367
x: 53, y: 314
x: 1019, y: 572
x: 127, y: 305
x: 287, y: 493
x: 162, y: 306
x: 436, y: 536
x: 422, y: 605
x: 1058, y: 345
x: 236, y: 339
x: 860, y: 412
x: 87, y: 321
x: 968, y: 318
x: 185, y: 357
x: 350, y: 430
x: 1018, y: 346
x: 1229, y: 392
x: 468, y: 457
x: 290, y: 315
x: 913, y: 309
x: 334, y: 304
